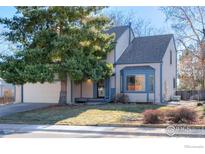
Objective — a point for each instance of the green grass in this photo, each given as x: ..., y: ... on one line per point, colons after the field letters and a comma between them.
x: 83, y: 115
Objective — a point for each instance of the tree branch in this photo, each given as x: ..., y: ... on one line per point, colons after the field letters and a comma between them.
x: 190, y: 23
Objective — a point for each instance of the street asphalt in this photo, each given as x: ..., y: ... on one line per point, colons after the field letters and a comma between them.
x: 59, y: 131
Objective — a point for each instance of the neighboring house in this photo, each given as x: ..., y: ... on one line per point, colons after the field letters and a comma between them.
x: 144, y: 69
x: 7, y: 92
x: 6, y: 89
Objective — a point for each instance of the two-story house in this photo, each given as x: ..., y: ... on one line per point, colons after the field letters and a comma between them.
x: 144, y: 69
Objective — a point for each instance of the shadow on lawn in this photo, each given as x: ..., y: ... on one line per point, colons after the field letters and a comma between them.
x: 54, y: 114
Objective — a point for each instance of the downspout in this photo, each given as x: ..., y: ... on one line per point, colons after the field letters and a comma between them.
x: 154, y: 88
x: 71, y: 92
x: 115, y: 67
x: 147, y: 86
x: 161, y: 101
x: 15, y: 93
x: 22, y: 94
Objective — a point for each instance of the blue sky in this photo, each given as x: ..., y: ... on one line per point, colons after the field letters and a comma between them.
x: 152, y: 14
x: 7, y: 11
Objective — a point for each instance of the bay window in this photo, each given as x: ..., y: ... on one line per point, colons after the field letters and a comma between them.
x: 136, y: 82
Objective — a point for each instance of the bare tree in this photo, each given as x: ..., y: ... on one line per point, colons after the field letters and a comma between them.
x: 190, y: 74
x: 140, y: 26
x: 188, y: 24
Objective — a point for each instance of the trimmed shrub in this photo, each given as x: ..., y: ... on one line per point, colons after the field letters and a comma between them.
x: 204, y: 110
x: 181, y: 115
x: 121, y: 98
x: 153, y: 116
x: 199, y: 104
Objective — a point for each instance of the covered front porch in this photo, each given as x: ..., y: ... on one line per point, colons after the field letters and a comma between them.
x: 93, y: 92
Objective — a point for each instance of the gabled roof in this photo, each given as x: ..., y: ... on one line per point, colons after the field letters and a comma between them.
x: 118, y: 31
x: 148, y: 49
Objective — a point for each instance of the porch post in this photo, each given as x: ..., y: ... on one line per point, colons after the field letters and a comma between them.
x: 107, y: 88
x: 81, y: 89
x: 69, y: 91
x: 22, y: 94
x: 94, y: 90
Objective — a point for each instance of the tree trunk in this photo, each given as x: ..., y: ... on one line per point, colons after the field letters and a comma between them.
x: 203, y: 74
x: 63, y: 92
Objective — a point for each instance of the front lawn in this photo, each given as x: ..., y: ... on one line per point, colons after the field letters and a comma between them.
x: 109, y: 114
x: 82, y: 115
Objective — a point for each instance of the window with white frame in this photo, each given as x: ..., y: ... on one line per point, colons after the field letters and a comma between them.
x: 136, y: 82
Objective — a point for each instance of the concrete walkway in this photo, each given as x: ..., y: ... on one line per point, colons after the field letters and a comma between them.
x: 21, y: 107
x: 96, y: 131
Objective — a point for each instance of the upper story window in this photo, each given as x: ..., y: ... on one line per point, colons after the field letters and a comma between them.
x: 170, y: 56
x: 174, y: 83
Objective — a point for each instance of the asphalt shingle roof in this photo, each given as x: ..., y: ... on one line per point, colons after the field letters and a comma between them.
x: 138, y: 67
x: 148, y: 49
x: 118, y: 31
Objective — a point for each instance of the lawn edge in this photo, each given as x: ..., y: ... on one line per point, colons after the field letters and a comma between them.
x: 143, y: 125
x: 125, y: 125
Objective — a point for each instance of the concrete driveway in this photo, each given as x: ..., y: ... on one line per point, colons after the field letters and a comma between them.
x: 21, y: 107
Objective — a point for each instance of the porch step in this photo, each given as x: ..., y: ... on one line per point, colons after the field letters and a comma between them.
x: 96, y: 103
x: 96, y: 100
x: 92, y: 100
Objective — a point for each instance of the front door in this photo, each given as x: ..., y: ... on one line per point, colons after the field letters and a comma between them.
x: 101, y: 89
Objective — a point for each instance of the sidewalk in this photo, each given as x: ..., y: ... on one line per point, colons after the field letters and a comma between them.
x: 136, y: 131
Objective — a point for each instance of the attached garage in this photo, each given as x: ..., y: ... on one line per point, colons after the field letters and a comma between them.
x: 39, y: 93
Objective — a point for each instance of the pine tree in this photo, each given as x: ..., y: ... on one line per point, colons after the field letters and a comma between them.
x: 57, y: 41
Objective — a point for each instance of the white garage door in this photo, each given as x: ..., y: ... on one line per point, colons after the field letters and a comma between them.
x: 42, y: 93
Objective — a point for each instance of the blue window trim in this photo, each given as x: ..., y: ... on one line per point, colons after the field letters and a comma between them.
x: 137, y: 71
x: 133, y: 91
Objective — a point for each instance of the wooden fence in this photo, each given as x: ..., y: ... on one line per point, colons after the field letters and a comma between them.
x: 192, y: 94
x: 6, y: 100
